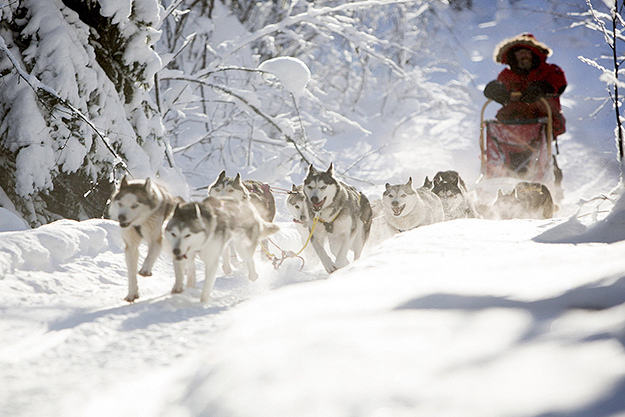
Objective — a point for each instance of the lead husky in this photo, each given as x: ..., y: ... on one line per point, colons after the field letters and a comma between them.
x: 406, y: 208
x: 141, y: 208
x: 206, y: 228
x: 345, y: 215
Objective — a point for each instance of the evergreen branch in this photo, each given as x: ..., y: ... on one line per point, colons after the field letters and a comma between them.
x: 41, y: 90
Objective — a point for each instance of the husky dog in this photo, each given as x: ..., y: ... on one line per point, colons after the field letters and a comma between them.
x: 141, y: 208
x: 296, y: 203
x: 427, y: 184
x: 257, y: 192
x: 406, y: 208
x: 345, y: 215
x: 205, y: 228
x: 452, y: 191
x: 528, y: 200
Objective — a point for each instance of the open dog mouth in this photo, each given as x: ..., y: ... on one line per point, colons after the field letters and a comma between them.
x: 179, y: 255
x: 319, y: 205
x: 302, y: 222
x: 398, y: 210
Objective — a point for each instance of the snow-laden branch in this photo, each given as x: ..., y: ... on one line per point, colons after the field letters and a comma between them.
x: 40, y: 89
x: 592, y: 63
x: 600, y: 22
x: 246, y: 102
x: 311, y: 15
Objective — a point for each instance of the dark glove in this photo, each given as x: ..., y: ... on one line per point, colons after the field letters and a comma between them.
x: 536, y: 90
x: 496, y: 90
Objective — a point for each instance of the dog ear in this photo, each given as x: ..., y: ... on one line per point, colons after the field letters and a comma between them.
x: 330, y: 170
x: 409, y: 183
x: 124, y: 182
x: 148, y: 185
x: 311, y: 170
x: 294, y: 188
x: 500, y: 194
x: 387, y: 185
x: 198, y: 210
x: 238, y: 181
x: 222, y: 175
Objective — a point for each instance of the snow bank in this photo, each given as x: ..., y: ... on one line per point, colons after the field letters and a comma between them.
x: 49, y: 246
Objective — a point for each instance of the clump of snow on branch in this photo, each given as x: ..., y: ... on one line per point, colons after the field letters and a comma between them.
x: 292, y: 73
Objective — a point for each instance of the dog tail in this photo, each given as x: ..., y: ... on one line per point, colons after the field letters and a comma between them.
x: 267, y: 229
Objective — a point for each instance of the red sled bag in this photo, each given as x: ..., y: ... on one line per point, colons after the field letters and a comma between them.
x: 517, y: 150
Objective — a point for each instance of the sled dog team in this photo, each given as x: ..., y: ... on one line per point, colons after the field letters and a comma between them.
x: 239, y: 214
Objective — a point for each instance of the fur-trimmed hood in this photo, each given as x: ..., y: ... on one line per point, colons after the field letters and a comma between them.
x: 526, y: 40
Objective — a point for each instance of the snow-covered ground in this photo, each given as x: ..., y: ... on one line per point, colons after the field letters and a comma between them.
x: 462, y: 318
x: 468, y: 317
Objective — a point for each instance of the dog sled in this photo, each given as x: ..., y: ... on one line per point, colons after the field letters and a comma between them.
x: 514, y: 152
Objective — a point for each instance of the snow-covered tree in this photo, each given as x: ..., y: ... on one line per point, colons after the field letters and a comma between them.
x: 75, y: 109
x: 369, y: 60
x: 607, y: 19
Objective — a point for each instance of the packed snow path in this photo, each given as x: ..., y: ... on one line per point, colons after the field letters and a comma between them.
x: 468, y: 317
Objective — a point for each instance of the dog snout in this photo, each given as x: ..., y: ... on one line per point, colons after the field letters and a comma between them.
x: 394, y: 203
x: 123, y: 222
x: 177, y: 251
x: 314, y: 199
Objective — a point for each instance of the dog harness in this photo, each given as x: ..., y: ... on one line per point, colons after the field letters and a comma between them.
x: 329, y: 225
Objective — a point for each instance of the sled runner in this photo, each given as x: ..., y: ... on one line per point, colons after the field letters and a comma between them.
x: 513, y: 152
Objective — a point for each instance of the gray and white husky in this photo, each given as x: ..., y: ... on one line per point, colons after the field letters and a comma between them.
x: 258, y: 193
x: 406, y: 208
x: 206, y: 228
x: 141, y: 208
x: 296, y: 204
x: 339, y: 214
x: 528, y: 200
x: 452, y: 191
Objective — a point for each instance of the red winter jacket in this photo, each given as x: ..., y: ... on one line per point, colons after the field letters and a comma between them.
x: 516, y: 82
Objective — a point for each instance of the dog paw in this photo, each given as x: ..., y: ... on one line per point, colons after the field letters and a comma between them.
x: 131, y: 297
x: 177, y: 289
x: 145, y: 273
x: 253, y: 277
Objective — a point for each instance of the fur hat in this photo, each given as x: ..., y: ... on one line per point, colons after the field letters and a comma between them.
x: 526, y: 40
